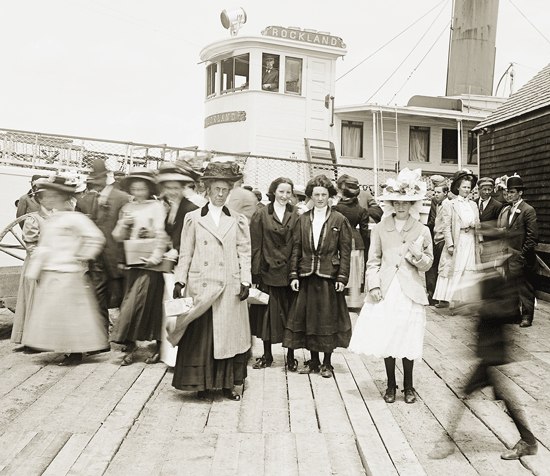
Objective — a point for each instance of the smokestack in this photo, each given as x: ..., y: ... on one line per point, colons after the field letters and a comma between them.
x: 473, y: 48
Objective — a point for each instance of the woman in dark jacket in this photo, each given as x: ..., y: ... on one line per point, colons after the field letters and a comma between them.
x: 319, y: 270
x: 271, y: 235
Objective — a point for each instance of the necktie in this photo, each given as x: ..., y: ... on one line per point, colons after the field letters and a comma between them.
x: 480, y: 207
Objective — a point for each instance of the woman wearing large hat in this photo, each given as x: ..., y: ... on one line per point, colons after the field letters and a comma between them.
x: 213, y: 337
x: 392, y: 322
x: 64, y: 315
x: 463, y: 247
x: 141, y: 227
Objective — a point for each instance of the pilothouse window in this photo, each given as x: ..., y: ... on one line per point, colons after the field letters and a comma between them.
x: 211, y: 75
x: 235, y: 73
x: 293, y: 75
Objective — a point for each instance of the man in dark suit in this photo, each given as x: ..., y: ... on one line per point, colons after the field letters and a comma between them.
x: 270, y: 76
x: 519, y: 221
x: 489, y: 208
x: 102, y: 205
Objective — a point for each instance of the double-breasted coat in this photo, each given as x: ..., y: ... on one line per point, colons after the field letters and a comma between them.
x: 387, y: 258
x: 452, y: 223
x: 214, y: 261
x: 272, y: 245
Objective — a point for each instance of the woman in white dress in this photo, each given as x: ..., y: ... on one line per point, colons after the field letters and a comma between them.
x: 392, y: 322
x: 463, y: 246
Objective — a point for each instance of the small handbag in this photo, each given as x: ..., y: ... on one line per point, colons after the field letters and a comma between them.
x: 255, y: 296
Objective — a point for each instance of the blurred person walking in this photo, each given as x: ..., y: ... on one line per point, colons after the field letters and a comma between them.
x: 393, y: 321
x: 319, y: 271
x: 31, y: 234
x: 271, y: 236
x: 27, y: 203
x: 64, y: 316
x: 213, y: 337
x: 141, y: 226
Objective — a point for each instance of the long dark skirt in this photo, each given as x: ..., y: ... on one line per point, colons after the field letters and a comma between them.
x: 141, y: 310
x: 269, y: 322
x: 196, y: 368
x: 319, y: 318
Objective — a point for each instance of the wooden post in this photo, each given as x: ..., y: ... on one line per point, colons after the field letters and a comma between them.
x: 374, y: 154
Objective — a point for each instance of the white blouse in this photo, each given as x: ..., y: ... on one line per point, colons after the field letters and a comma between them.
x: 279, y: 210
x: 466, y: 212
x: 319, y: 215
x: 215, y: 213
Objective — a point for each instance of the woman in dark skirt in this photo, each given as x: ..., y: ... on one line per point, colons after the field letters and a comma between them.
x: 271, y: 235
x: 213, y: 337
x: 319, y: 319
x: 142, y: 220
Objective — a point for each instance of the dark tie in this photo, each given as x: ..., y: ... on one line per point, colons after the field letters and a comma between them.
x: 480, y: 207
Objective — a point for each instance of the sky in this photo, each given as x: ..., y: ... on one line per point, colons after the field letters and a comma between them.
x: 129, y: 70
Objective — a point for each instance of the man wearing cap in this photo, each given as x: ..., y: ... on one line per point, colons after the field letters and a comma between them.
x: 102, y: 205
x: 27, y: 203
x: 270, y: 76
x: 489, y: 208
x: 519, y: 222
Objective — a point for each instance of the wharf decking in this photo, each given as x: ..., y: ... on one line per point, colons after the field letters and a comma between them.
x: 99, y: 418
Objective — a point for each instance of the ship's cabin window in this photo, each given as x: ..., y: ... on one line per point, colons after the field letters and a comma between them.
x: 211, y: 75
x: 293, y: 75
x: 270, y: 72
x: 419, y: 144
x: 449, y: 146
x: 234, y: 73
x: 352, y: 139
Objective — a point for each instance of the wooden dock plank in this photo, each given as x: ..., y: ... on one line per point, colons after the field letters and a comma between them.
x: 275, y: 409
x: 280, y: 454
x: 37, y: 462
x: 106, y: 442
x: 63, y: 461
x: 303, y: 414
x: 190, y: 455
x: 251, y: 454
x: 226, y: 456
x: 313, y: 456
x: 344, y: 455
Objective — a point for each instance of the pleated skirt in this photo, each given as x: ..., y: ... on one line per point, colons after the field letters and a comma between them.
x: 141, y: 310
x: 65, y: 316
x: 196, y: 368
x: 268, y: 322
x: 318, y: 319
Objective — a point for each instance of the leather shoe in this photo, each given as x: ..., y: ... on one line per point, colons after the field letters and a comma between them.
x: 389, y: 397
x: 410, y: 395
x: 521, y: 449
x: 526, y: 322
x: 326, y: 371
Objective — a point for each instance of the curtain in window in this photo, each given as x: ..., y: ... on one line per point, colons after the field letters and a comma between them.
x: 418, y: 145
x: 351, y: 141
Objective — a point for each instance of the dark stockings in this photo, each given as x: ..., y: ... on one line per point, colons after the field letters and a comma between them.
x: 316, y: 361
x: 389, y: 362
x: 267, y: 351
x: 289, y: 355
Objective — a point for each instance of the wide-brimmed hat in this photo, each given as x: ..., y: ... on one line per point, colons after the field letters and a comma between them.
x: 172, y: 173
x: 515, y: 182
x: 349, y: 183
x: 57, y: 183
x: 188, y: 170
x: 459, y: 175
x: 222, y: 171
x: 99, y: 171
x: 139, y: 173
x: 407, y: 187
x: 485, y: 182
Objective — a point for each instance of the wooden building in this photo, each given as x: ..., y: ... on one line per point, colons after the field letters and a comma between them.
x: 516, y: 139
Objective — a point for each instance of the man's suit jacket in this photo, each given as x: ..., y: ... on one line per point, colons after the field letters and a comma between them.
x: 242, y: 201
x: 432, y: 216
x: 106, y: 217
x: 174, y: 229
x: 271, y: 78
x: 491, y: 210
x: 522, y: 235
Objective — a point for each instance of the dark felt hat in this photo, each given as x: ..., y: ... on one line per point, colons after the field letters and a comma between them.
x: 99, y: 171
x: 459, y: 175
x: 188, y: 170
x: 222, y: 171
x: 515, y: 182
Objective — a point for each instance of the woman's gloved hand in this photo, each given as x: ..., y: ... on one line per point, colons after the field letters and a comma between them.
x: 178, y: 289
x: 244, y: 291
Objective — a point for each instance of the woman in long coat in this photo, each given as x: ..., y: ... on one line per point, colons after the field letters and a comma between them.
x: 392, y: 322
x: 271, y: 234
x: 30, y: 235
x: 64, y: 316
x: 213, y: 337
x: 319, y: 319
x: 463, y: 242
x: 141, y: 310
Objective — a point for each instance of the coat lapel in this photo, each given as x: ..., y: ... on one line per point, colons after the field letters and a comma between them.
x: 226, y: 222
x: 519, y: 209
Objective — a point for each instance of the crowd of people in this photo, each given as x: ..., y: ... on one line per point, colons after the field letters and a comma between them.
x: 114, y: 244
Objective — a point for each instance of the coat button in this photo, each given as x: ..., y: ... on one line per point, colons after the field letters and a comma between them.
x: 205, y: 242
x: 221, y: 264
x: 397, y: 266
x: 206, y: 263
x: 203, y: 285
x: 404, y: 241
